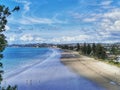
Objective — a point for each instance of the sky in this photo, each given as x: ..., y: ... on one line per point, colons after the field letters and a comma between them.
x: 63, y: 21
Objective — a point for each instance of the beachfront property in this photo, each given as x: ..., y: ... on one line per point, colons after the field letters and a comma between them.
x: 110, y: 55
x: 117, y: 59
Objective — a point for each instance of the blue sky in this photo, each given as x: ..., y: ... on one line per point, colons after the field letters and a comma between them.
x: 63, y: 21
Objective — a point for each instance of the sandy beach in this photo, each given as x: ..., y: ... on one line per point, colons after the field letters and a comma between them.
x: 47, y: 74
x: 105, y: 75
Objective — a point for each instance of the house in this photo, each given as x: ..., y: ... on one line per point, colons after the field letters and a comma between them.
x: 117, y: 59
x: 110, y: 55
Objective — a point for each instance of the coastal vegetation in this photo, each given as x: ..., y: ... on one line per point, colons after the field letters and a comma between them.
x: 4, y: 13
x: 104, y: 52
x: 96, y: 50
x: 101, y: 51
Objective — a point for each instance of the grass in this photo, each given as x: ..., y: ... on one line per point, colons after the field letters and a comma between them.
x: 108, y: 61
x: 114, y: 63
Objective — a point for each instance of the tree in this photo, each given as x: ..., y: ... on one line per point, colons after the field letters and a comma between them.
x: 4, y: 13
x: 100, y: 51
x: 78, y: 46
x: 84, y: 49
x: 114, y: 49
x: 94, y: 49
x: 89, y: 49
x: 71, y: 47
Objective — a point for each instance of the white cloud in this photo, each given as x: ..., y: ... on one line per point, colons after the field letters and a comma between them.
x: 39, y: 39
x: 30, y: 20
x: 105, y: 24
x: 89, y: 19
x: 7, y: 27
x: 104, y: 21
x: 76, y: 15
x: 30, y: 38
x: 95, y: 2
x: 67, y: 39
x: 111, y: 20
x: 113, y: 14
x: 26, y: 37
x: 11, y: 38
x: 111, y: 41
x: 115, y: 26
x: 25, y: 3
x: 108, y: 2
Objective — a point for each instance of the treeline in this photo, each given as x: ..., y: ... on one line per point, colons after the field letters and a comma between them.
x: 96, y: 50
x: 114, y: 49
x: 66, y: 47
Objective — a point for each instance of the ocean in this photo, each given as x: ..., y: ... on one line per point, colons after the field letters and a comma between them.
x: 41, y: 69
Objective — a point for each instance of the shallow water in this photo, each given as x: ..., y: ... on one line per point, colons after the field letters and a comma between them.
x: 45, y: 72
x: 16, y: 58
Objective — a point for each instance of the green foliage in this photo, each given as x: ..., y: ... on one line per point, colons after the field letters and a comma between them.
x: 114, y: 63
x: 1, y: 77
x: 89, y: 49
x: 71, y: 47
x: 96, y: 50
x: 100, y: 51
x: 114, y: 50
x: 10, y: 88
x: 4, y: 13
x: 78, y: 46
x: 66, y: 47
x: 84, y: 49
x: 93, y: 49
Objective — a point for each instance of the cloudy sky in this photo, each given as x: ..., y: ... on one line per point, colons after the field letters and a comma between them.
x: 63, y: 21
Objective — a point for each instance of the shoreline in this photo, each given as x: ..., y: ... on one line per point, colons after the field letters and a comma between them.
x: 50, y: 74
x: 105, y: 75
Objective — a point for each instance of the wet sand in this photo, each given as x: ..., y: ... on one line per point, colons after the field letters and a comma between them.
x: 105, y: 75
x: 49, y: 74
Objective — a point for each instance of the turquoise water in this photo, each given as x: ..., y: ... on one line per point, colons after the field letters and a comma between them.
x: 16, y: 58
x: 41, y: 69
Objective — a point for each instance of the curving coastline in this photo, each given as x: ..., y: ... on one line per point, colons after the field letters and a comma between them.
x: 50, y: 74
x: 102, y: 73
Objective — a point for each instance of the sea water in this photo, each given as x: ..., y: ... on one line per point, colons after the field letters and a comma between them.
x: 41, y: 69
x: 22, y: 57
